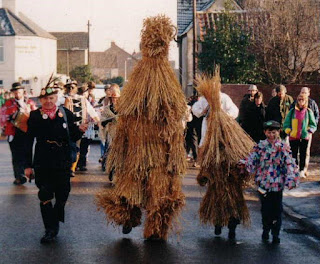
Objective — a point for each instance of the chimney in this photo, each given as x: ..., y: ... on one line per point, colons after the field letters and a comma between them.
x: 11, y: 5
x: 113, y: 44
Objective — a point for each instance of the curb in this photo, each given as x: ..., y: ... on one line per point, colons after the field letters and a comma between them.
x: 311, y: 226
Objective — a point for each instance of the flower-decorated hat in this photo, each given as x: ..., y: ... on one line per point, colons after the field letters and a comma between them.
x: 49, y: 89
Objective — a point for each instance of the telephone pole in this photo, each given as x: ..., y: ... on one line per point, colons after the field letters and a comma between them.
x: 89, y: 25
x: 195, y: 46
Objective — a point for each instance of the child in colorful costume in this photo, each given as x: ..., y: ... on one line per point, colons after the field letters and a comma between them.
x: 274, y: 169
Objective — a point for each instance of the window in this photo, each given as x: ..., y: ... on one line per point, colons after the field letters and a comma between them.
x: 1, y: 83
x: 24, y: 82
x: 1, y: 51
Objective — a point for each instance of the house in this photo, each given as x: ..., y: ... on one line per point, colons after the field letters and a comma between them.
x: 27, y: 52
x: 185, y: 35
x: 112, y: 62
x: 72, y: 50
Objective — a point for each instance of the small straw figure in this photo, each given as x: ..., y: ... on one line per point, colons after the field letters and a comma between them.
x: 224, y: 145
x: 147, y: 154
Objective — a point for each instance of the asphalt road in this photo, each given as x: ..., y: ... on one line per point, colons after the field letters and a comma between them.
x: 85, y: 237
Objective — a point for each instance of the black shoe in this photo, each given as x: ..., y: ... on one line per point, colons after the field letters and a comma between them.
x: 275, y: 240
x: 48, y: 237
x: 217, y: 230
x: 232, y: 234
x: 265, y: 235
x: 126, y: 229
x: 20, y: 181
x: 83, y: 169
x: 23, y: 180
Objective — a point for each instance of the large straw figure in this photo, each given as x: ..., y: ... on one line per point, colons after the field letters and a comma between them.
x: 225, y: 144
x: 147, y: 153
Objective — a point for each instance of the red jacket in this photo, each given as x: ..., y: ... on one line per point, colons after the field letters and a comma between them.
x: 9, y: 108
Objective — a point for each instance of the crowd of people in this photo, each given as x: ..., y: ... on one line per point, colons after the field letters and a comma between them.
x: 65, y: 124
x: 298, y: 120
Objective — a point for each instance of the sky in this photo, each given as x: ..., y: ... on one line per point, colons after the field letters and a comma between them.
x: 111, y: 20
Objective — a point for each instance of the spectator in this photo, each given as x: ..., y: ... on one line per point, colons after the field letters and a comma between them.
x: 315, y: 109
x: 2, y: 100
x: 253, y: 122
x: 299, y: 125
x: 193, y: 132
x: 201, y: 108
x: 278, y: 107
x: 246, y: 102
x: 273, y: 92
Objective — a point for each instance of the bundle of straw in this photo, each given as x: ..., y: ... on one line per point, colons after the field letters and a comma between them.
x: 148, y: 153
x: 225, y: 144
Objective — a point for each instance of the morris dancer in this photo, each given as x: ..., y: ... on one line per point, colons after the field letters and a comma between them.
x: 16, y: 112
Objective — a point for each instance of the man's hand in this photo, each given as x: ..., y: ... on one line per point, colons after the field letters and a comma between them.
x: 28, y: 172
x: 83, y: 127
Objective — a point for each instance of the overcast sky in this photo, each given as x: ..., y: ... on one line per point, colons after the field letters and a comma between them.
x: 112, y: 20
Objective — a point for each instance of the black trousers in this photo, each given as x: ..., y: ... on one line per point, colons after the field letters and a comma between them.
x: 191, y: 142
x: 271, y: 210
x: 52, y: 183
x: 301, y: 147
x: 18, y: 152
x: 84, y: 148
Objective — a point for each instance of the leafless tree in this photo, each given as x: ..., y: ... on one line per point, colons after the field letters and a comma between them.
x: 286, y: 38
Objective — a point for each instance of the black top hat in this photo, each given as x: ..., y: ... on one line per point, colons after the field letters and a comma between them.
x: 16, y: 86
x: 271, y: 124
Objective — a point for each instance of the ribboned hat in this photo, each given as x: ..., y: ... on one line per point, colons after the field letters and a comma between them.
x: 49, y: 89
x: 271, y: 124
x: 16, y: 86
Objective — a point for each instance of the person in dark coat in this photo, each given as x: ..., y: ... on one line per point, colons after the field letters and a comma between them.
x: 253, y: 122
x: 15, y: 114
x: 53, y: 128
x: 278, y: 107
x: 246, y: 103
x: 193, y: 132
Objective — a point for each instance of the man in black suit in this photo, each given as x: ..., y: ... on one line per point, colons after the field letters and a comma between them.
x: 54, y: 129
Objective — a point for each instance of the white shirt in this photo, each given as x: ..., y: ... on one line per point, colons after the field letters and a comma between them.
x: 199, y: 109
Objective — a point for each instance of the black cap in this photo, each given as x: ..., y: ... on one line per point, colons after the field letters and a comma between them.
x: 16, y: 86
x: 271, y: 124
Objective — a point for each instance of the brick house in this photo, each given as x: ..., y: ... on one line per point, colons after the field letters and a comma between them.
x: 185, y: 35
x: 112, y: 62
x: 72, y: 50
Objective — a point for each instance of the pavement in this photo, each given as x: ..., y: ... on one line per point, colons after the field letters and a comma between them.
x: 303, y: 203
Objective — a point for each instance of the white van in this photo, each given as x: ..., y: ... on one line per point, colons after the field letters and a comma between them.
x: 99, y: 91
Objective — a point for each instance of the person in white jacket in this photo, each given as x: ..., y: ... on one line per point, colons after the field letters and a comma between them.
x: 201, y: 108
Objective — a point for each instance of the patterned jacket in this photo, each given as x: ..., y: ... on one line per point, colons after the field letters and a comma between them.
x: 273, y: 166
